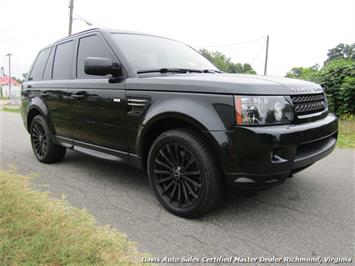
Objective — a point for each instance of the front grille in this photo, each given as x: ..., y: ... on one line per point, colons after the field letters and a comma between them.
x: 308, y: 104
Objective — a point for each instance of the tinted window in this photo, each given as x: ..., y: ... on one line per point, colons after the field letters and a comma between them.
x: 91, y: 46
x: 63, y: 60
x: 49, y: 66
x: 38, y: 68
x: 148, y: 53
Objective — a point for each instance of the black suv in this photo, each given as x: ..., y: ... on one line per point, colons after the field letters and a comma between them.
x: 157, y: 104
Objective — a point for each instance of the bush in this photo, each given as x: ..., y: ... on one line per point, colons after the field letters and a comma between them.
x: 337, y: 77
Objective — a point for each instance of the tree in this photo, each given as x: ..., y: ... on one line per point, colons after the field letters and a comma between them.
x: 241, y: 68
x: 341, y: 51
x: 224, y: 63
x: 306, y: 73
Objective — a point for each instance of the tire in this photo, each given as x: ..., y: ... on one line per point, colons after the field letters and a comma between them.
x: 184, y: 173
x: 45, y: 150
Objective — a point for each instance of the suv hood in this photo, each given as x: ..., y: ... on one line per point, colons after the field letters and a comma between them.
x: 223, y: 84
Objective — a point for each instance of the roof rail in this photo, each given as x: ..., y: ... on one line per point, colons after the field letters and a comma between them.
x: 78, y: 33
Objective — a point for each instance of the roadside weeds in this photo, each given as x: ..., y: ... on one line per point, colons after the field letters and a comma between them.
x: 36, y: 229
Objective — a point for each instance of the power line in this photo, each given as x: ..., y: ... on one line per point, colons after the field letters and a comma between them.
x: 87, y: 21
x: 231, y: 44
x: 258, y: 53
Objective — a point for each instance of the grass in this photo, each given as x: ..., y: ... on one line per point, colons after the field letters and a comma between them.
x: 346, y: 137
x: 11, y: 109
x: 38, y: 230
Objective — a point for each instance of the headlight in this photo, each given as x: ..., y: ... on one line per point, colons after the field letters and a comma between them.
x: 262, y: 110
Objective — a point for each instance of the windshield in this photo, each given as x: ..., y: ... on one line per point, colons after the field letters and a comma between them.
x: 146, y: 53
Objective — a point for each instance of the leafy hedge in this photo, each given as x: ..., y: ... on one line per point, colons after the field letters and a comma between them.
x: 337, y: 77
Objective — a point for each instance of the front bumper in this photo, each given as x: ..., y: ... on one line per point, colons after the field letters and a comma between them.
x: 263, y: 156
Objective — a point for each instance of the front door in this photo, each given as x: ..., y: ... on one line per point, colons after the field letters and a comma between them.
x: 98, y: 106
x: 100, y: 111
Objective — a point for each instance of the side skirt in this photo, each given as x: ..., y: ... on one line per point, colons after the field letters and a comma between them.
x: 100, y: 152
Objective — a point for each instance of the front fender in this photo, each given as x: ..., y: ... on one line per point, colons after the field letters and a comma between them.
x: 207, y: 113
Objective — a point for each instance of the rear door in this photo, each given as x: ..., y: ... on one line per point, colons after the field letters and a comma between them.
x: 57, y: 74
x: 98, y: 104
x: 34, y: 89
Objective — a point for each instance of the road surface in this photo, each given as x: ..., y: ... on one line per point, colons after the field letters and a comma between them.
x: 311, y: 214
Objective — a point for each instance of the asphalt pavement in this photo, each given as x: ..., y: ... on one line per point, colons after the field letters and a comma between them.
x: 309, y: 215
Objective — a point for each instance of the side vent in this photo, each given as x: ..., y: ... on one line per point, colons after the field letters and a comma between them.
x: 137, y: 105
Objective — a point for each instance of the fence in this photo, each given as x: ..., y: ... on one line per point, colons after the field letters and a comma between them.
x: 14, y: 96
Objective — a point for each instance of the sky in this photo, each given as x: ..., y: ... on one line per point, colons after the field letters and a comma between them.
x: 301, y: 32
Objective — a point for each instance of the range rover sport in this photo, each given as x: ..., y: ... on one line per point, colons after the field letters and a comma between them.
x: 157, y: 104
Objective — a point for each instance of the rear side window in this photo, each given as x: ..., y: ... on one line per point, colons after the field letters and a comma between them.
x: 49, y: 66
x: 63, y: 60
x: 38, y: 67
x: 91, y: 46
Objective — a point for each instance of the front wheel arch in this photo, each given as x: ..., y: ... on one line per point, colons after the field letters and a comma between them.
x: 165, y: 122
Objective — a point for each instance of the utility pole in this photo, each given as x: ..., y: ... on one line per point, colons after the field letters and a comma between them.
x: 71, y: 7
x: 266, y: 55
x: 10, y: 79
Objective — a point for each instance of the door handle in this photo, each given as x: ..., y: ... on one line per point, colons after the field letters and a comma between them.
x: 44, y: 94
x: 77, y: 96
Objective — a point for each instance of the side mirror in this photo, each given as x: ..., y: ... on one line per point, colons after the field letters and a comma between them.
x: 101, y: 66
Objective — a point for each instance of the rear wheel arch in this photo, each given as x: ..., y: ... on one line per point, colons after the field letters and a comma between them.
x: 43, y: 145
x: 34, y: 111
x: 38, y: 107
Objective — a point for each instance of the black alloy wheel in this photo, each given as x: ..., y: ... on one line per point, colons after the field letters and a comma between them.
x: 43, y: 146
x: 39, y: 140
x: 184, y: 173
x: 178, y: 175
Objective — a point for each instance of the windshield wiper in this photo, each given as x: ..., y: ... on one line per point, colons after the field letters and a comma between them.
x: 172, y: 70
x: 211, y: 71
